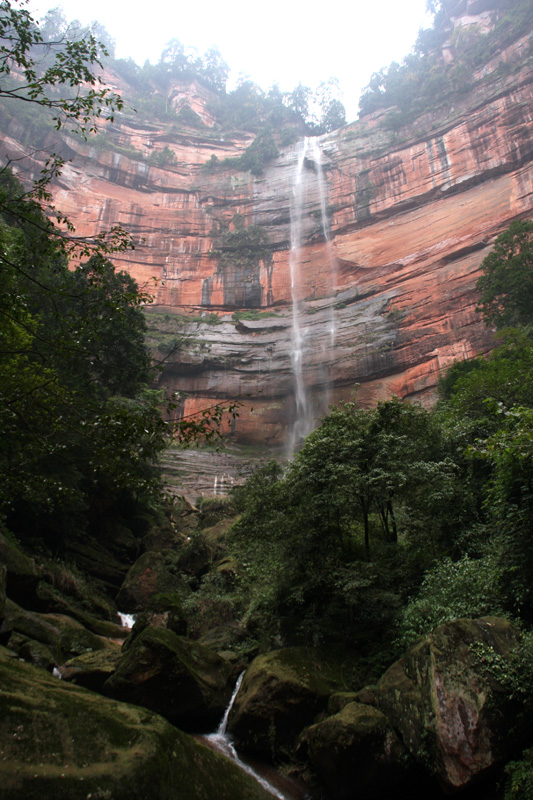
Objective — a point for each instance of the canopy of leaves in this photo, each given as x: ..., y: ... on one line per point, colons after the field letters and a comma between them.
x: 506, y: 285
x: 56, y: 74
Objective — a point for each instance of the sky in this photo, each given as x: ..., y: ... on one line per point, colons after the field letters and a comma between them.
x: 278, y: 41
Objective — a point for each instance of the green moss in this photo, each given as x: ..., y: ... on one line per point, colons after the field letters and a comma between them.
x: 65, y: 742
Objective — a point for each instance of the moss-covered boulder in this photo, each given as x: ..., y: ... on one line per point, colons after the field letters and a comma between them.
x: 187, y: 683
x: 64, y: 636
x: 91, y: 670
x: 3, y: 574
x: 22, y: 575
x: 62, y: 741
x: 357, y: 754
x: 94, y: 558
x: 51, y: 600
x: 152, y: 573
x: 449, y: 713
x: 280, y: 695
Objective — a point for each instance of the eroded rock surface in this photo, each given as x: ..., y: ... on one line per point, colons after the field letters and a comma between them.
x: 62, y: 741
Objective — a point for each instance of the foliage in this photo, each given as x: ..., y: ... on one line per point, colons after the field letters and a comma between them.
x: 46, y: 66
x: 262, y: 150
x: 473, y: 389
x: 424, y: 80
x: 451, y: 590
x: 163, y: 158
x: 506, y: 285
x: 509, y: 503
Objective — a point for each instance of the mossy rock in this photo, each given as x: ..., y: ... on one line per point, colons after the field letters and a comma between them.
x: 164, y: 610
x: 94, y: 559
x: 446, y: 710
x: 357, y: 753
x: 91, y: 670
x: 52, y: 600
x: 187, y: 683
x: 339, y: 700
x: 32, y: 651
x: 22, y: 575
x: 281, y: 694
x: 3, y: 575
x: 153, y: 573
x: 65, y: 742
x: 223, y: 637
x: 64, y: 636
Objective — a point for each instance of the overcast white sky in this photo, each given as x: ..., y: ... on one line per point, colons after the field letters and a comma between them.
x: 277, y: 41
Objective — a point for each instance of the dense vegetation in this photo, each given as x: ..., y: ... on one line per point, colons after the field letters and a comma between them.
x: 392, y: 520
x: 424, y: 80
x: 80, y: 429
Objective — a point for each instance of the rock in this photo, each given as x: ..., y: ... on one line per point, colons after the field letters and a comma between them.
x: 152, y: 573
x: 187, y: 683
x: 409, y: 209
x: 281, y: 694
x: 357, y: 753
x: 51, y: 600
x: 63, y: 742
x: 223, y: 637
x: 3, y: 574
x: 444, y: 708
x: 32, y: 651
x: 94, y: 558
x: 64, y: 636
x: 22, y: 575
x: 339, y: 700
x: 164, y: 611
x: 91, y: 670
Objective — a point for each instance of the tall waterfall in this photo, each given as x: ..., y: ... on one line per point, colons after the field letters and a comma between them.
x: 308, y: 190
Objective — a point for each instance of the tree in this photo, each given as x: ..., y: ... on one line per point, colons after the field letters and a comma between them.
x: 506, y: 285
x: 59, y: 75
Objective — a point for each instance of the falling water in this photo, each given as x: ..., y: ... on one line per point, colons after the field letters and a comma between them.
x: 223, y: 743
x: 309, y: 175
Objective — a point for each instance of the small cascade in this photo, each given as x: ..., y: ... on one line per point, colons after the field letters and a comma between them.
x: 308, y: 177
x: 126, y: 620
x: 223, y: 486
x: 222, y: 742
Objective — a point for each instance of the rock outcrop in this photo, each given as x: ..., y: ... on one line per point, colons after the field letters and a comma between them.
x: 387, y: 300
x: 435, y: 718
x: 62, y: 741
x: 187, y: 683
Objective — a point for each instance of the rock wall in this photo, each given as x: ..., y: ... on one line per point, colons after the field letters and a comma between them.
x: 411, y: 214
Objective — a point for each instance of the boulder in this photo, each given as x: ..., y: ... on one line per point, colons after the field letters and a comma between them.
x: 187, y: 683
x: 357, y: 753
x: 3, y: 574
x: 22, y: 575
x: 164, y: 610
x: 91, y: 670
x: 64, y: 637
x: 280, y: 695
x: 152, y: 573
x: 446, y: 710
x: 62, y: 741
x: 51, y: 600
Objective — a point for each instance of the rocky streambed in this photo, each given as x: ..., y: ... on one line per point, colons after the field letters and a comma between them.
x: 123, y: 720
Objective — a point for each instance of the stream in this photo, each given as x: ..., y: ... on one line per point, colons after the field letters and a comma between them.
x: 273, y: 782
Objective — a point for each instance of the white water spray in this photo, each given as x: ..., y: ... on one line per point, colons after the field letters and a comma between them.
x: 309, y: 176
x: 222, y: 742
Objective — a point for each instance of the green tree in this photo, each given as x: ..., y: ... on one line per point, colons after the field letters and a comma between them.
x: 59, y: 76
x: 506, y: 285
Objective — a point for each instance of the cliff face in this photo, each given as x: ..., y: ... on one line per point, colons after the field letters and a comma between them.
x: 385, y: 298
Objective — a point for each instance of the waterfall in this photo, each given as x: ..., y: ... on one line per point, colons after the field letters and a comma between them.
x: 308, y: 177
x: 222, y: 742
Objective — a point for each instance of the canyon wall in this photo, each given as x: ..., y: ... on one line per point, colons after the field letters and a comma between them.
x: 411, y: 213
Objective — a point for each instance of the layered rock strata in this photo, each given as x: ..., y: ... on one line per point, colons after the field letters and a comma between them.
x: 410, y: 216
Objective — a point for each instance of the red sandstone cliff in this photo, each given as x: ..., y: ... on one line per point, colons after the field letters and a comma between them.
x: 412, y: 214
